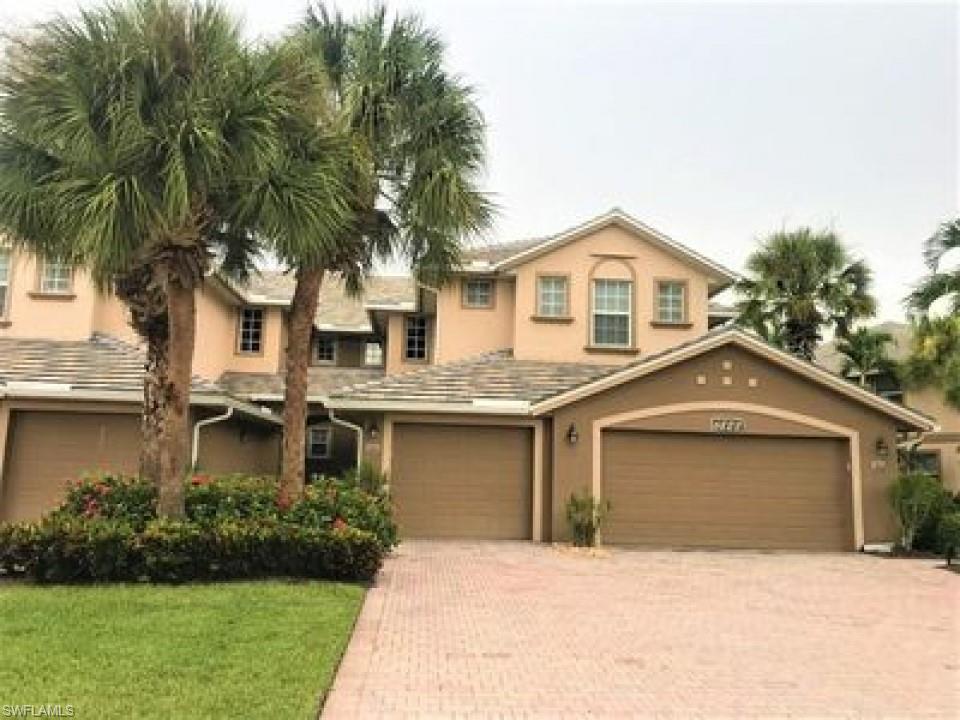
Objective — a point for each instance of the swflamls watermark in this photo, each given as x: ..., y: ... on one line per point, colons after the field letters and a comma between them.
x: 44, y: 710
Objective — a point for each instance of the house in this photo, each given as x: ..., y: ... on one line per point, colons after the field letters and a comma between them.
x: 938, y: 452
x: 596, y: 359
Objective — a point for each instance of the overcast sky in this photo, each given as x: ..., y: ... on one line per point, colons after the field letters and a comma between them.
x: 714, y: 123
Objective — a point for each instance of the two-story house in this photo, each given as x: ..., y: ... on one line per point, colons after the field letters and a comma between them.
x: 592, y: 360
x: 937, y: 452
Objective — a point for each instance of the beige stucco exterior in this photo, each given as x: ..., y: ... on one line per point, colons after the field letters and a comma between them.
x: 946, y: 440
x: 467, y: 331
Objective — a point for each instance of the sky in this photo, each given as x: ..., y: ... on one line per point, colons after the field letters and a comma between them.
x: 714, y: 123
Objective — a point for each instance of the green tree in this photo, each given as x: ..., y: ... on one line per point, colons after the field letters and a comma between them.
x: 422, y: 138
x: 802, y: 283
x: 865, y: 354
x: 940, y: 282
x: 142, y: 141
x: 934, y: 359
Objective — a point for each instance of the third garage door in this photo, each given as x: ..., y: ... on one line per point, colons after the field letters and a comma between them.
x: 462, y: 481
x: 676, y: 489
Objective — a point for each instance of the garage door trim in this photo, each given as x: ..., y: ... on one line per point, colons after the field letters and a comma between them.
x: 852, y: 435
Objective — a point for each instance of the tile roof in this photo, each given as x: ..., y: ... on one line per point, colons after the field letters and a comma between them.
x: 100, y: 363
x: 320, y: 382
x: 493, y: 376
x: 828, y: 357
x: 498, y: 252
x: 336, y: 309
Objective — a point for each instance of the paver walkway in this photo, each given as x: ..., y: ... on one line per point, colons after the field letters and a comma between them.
x: 513, y: 630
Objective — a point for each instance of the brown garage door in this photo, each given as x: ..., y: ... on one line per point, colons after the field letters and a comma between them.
x: 47, y: 449
x: 462, y: 481
x: 739, y: 492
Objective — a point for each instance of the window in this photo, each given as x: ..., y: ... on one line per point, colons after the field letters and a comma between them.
x: 671, y: 302
x: 612, y: 321
x: 56, y: 278
x: 326, y: 350
x: 4, y: 281
x: 478, y: 293
x: 373, y: 354
x: 251, y: 331
x: 928, y: 462
x: 415, y: 347
x: 319, y: 442
x: 552, y: 296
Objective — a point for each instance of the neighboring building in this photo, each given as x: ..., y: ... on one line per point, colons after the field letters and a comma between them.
x: 938, y: 451
x: 598, y: 359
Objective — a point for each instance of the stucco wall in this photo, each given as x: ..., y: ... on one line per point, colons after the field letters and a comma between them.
x: 394, y: 351
x: 237, y: 446
x: 614, y: 253
x: 776, y: 387
x: 217, y: 338
x: 466, y: 331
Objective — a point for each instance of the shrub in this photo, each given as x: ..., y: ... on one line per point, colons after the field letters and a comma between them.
x: 585, y: 515
x: 83, y: 550
x: 928, y: 534
x: 368, y: 478
x: 327, y: 502
x: 950, y: 535
x: 914, y: 497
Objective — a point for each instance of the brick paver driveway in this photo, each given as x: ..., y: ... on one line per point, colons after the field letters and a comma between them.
x: 521, y: 630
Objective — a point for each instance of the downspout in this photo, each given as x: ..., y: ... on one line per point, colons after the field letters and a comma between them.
x: 356, y: 428
x: 195, y: 451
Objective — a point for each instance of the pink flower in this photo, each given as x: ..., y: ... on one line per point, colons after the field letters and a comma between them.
x: 340, y: 524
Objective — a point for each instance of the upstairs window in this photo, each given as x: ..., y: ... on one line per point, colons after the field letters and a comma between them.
x: 326, y: 352
x: 671, y: 301
x: 552, y: 296
x: 373, y: 354
x: 319, y: 442
x: 56, y: 278
x: 612, y: 314
x: 4, y: 282
x: 478, y: 293
x: 415, y: 345
x: 250, y: 335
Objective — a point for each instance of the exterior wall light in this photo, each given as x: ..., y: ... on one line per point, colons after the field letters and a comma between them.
x: 881, y: 448
x: 374, y: 432
x: 573, y: 437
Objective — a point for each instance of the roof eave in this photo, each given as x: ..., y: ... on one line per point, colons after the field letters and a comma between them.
x: 478, y: 406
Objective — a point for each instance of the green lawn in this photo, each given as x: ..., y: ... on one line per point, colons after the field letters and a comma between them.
x: 251, y: 649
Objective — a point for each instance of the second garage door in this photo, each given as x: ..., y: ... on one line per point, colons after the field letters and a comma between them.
x: 676, y: 489
x: 48, y: 449
x: 462, y: 481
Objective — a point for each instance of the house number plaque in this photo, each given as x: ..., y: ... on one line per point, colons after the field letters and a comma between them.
x: 728, y: 426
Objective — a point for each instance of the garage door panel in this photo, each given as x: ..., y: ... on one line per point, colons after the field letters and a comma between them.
x: 462, y: 481
x: 703, y: 490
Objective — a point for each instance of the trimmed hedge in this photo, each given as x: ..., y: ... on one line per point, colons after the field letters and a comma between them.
x: 107, y: 530
x: 96, y: 550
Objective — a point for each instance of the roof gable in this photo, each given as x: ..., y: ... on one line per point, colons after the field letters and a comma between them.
x: 509, y: 256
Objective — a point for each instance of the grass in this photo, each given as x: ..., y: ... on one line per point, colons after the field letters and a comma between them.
x: 250, y: 649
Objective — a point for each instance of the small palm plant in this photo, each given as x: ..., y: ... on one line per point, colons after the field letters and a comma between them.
x: 865, y: 354
x: 586, y: 515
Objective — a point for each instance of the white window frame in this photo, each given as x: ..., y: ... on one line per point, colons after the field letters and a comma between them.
x: 406, y: 338
x: 246, y: 334
x: 628, y: 313
x: 327, y: 432
x: 6, y: 270
x: 469, y: 302
x: 661, y: 284
x: 57, y: 282
x: 379, y: 353
x: 316, y: 351
x: 542, y: 310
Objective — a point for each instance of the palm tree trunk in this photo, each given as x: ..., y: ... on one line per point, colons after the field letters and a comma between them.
x: 175, y: 394
x: 302, y: 312
x: 152, y: 420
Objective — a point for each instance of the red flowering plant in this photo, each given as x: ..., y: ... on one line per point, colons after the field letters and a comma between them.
x: 109, y: 496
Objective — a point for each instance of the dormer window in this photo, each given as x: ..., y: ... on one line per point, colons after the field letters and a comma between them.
x: 56, y: 278
x: 250, y: 331
x: 671, y: 301
x: 326, y: 353
x: 612, y: 314
x: 478, y: 293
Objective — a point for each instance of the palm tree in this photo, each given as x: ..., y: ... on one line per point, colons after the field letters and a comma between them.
x: 142, y: 141
x: 940, y: 282
x: 865, y: 353
x: 934, y: 358
x: 802, y: 283
x: 422, y: 138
